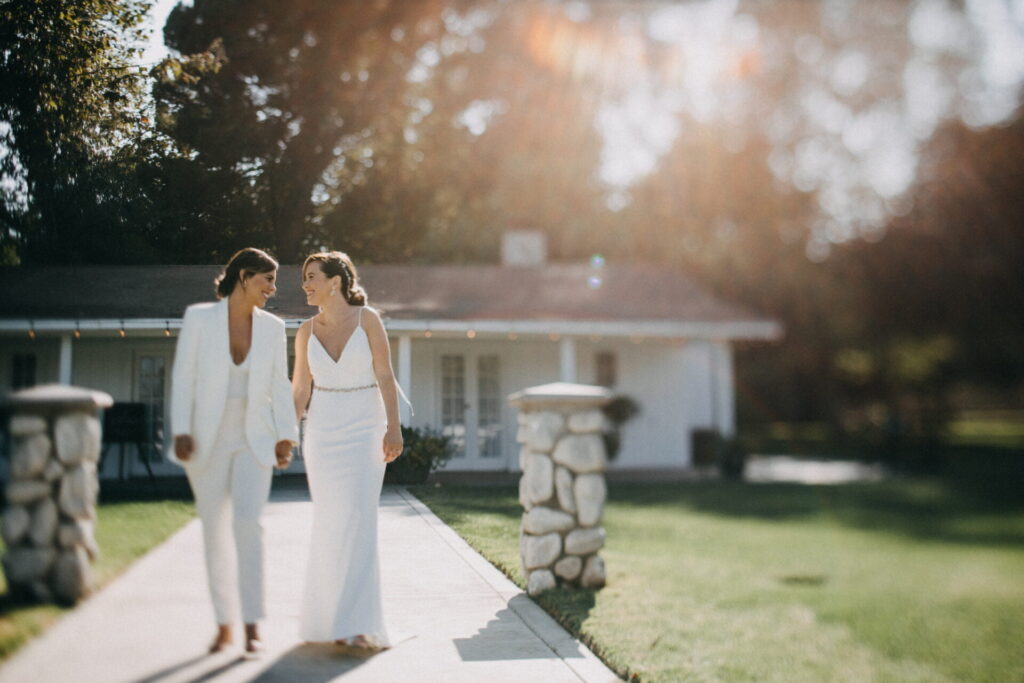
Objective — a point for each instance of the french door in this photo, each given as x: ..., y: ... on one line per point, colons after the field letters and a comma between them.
x: 471, y: 409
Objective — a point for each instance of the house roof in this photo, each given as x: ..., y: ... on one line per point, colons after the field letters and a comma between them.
x: 411, y: 294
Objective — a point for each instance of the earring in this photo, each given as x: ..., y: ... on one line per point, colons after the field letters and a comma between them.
x: 334, y: 291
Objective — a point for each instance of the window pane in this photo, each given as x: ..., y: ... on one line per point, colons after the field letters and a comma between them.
x: 489, y: 399
x: 150, y: 388
x: 453, y: 402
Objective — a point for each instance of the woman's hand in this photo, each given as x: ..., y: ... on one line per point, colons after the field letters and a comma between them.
x: 393, y: 444
x: 283, y: 452
x: 184, y: 446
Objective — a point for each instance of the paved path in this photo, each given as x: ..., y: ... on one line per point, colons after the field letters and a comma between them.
x: 456, y: 617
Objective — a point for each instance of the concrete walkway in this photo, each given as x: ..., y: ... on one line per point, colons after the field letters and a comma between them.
x: 453, y: 615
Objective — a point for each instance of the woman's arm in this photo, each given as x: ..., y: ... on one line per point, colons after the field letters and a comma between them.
x: 285, y: 423
x: 382, y: 369
x: 302, y: 378
x: 183, y: 384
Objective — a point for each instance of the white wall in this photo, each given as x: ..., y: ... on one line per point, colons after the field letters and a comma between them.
x: 679, y: 386
x: 652, y: 374
x: 523, y: 363
x: 109, y: 365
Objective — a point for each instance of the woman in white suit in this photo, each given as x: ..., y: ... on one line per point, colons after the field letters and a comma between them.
x: 232, y: 418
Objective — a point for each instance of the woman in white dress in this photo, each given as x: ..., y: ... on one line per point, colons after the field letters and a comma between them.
x: 343, y: 377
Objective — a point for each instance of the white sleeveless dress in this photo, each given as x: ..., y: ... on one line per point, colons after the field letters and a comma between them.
x: 344, y: 456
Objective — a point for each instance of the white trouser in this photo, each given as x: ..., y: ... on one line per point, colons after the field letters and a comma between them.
x: 230, y: 491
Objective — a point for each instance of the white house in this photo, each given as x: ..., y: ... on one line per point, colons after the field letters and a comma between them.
x: 463, y: 338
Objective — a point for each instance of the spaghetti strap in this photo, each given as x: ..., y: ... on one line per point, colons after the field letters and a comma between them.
x: 359, y: 323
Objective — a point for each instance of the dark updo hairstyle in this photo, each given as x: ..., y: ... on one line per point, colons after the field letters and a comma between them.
x: 338, y: 263
x: 247, y: 262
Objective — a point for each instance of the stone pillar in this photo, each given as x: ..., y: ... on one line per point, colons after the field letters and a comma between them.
x: 562, y: 489
x: 51, y: 493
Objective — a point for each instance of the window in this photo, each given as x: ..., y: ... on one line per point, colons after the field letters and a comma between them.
x: 150, y: 389
x: 490, y: 399
x: 453, y: 401
x: 23, y: 370
x: 606, y: 369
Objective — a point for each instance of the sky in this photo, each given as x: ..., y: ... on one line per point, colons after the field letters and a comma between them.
x: 155, y: 48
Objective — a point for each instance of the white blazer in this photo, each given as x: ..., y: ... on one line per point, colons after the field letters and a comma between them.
x: 199, y: 383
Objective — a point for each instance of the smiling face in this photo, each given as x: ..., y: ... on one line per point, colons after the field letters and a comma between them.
x: 317, y: 285
x: 259, y: 287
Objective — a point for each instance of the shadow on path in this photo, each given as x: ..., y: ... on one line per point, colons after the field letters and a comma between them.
x: 314, y: 663
x: 172, y: 671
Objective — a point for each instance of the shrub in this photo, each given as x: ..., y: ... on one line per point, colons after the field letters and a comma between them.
x: 619, y: 411
x: 709, y: 448
x: 732, y: 458
x: 425, y: 450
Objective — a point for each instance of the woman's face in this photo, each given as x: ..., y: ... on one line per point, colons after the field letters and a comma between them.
x: 316, y: 285
x: 259, y: 287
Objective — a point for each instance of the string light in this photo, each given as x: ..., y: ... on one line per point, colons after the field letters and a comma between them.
x: 471, y: 334
x: 554, y: 337
x: 122, y: 332
x: 167, y: 328
x: 78, y: 330
x: 31, y: 329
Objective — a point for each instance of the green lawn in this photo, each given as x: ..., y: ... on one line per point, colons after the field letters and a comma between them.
x: 124, y: 532
x: 911, y: 580
x: 990, y: 428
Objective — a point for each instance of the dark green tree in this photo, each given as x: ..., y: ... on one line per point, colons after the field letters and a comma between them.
x: 71, y: 129
x: 308, y: 102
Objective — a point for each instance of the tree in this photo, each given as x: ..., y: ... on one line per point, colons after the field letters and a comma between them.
x: 943, y: 289
x: 71, y: 104
x: 307, y: 96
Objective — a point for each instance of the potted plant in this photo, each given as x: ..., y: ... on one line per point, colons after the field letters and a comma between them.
x: 732, y: 458
x: 619, y: 411
x: 425, y: 451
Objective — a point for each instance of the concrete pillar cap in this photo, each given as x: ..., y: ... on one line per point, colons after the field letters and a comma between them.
x: 56, y: 396
x: 579, y: 396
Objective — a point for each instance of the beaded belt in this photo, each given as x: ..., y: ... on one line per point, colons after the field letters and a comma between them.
x: 345, y: 389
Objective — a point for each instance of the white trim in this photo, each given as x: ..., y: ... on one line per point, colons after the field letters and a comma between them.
x: 85, y: 326
x: 64, y: 364
x: 567, y: 360
x: 405, y: 374
x: 723, y: 389
x: 767, y: 330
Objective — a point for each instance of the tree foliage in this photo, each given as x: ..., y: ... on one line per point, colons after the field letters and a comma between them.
x: 420, y: 131
x: 70, y: 113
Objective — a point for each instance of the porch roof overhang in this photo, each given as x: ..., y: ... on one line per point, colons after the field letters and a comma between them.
x: 763, y: 330
x: 574, y: 300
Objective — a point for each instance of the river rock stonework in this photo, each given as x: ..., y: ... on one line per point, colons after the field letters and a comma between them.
x: 562, y: 489
x: 51, y: 493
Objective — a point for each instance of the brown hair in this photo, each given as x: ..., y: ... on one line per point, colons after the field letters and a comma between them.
x: 337, y: 263
x: 244, y: 263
